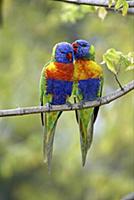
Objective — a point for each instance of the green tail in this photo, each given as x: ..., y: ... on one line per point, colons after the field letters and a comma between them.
x: 85, y: 121
x: 48, y: 136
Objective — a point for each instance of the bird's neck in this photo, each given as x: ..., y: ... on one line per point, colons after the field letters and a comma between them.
x: 63, y: 66
x: 82, y: 59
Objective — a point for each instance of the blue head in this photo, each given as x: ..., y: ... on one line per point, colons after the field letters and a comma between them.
x: 83, y: 50
x: 63, y: 53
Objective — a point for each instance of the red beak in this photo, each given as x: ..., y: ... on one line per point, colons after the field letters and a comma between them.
x: 69, y: 56
x: 75, y: 47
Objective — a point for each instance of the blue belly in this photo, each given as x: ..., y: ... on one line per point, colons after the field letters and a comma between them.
x: 59, y: 89
x: 89, y: 88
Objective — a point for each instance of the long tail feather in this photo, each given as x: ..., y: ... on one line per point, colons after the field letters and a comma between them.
x: 90, y: 130
x: 49, y: 149
x: 86, y: 123
x: 83, y: 138
x: 48, y: 139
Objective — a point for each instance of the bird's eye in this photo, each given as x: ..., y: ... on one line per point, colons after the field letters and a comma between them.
x: 62, y: 52
x: 84, y: 45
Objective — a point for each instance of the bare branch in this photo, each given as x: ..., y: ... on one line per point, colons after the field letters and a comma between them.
x: 103, y: 3
x: 38, y: 109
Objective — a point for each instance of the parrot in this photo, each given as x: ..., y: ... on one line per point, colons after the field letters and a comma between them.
x: 88, y: 83
x: 56, y: 83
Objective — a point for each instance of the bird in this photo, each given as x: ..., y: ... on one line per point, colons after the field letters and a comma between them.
x: 56, y: 83
x: 88, y: 83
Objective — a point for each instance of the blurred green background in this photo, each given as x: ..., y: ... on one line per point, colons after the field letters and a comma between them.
x: 29, y: 31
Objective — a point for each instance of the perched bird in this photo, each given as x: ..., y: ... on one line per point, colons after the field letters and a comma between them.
x: 56, y: 84
x: 88, y: 81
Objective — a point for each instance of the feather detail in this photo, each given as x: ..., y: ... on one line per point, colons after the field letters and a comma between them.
x: 55, y: 88
x: 85, y: 121
x: 59, y: 71
x: 85, y: 69
x: 88, y: 78
x: 48, y: 136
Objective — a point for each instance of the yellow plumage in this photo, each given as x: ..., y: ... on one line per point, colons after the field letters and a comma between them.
x: 87, y: 69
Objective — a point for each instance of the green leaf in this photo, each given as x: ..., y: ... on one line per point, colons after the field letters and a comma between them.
x: 122, y: 4
x: 110, y: 65
x: 115, y: 60
x: 111, y: 58
x: 125, y: 8
x: 130, y: 57
x: 102, y: 12
x: 119, y: 4
x: 110, y: 3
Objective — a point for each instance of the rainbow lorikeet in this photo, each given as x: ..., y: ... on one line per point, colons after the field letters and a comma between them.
x: 56, y: 84
x: 88, y: 81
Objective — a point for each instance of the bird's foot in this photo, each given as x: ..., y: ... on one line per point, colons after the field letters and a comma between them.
x: 99, y: 99
x: 69, y: 104
x: 48, y: 106
x: 81, y: 104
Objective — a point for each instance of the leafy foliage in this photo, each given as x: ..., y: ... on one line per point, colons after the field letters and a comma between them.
x: 120, y: 4
x: 74, y: 12
x: 130, y: 58
x: 116, y: 60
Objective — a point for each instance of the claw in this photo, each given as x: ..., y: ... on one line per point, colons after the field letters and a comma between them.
x: 98, y: 99
x: 48, y: 107
x: 69, y: 104
x: 81, y: 104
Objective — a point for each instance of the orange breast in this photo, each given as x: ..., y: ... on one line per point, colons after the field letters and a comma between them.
x: 59, y: 71
x: 86, y: 69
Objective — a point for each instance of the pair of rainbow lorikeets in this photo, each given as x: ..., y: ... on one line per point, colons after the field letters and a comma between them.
x: 71, y: 71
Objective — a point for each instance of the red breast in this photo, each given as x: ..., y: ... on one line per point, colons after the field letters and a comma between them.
x: 60, y: 72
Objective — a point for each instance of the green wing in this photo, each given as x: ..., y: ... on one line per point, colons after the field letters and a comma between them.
x: 42, y: 89
x: 93, y: 118
x: 96, y: 109
x: 49, y: 122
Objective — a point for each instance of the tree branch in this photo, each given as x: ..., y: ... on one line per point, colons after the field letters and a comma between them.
x: 103, y: 3
x: 38, y: 109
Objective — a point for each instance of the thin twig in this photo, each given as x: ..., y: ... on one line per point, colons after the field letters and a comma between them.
x: 116, y: 78
x: 38, y: 109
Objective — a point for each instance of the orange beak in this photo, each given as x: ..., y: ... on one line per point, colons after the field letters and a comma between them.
x: 75, y: 47
x: 69, y: 56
